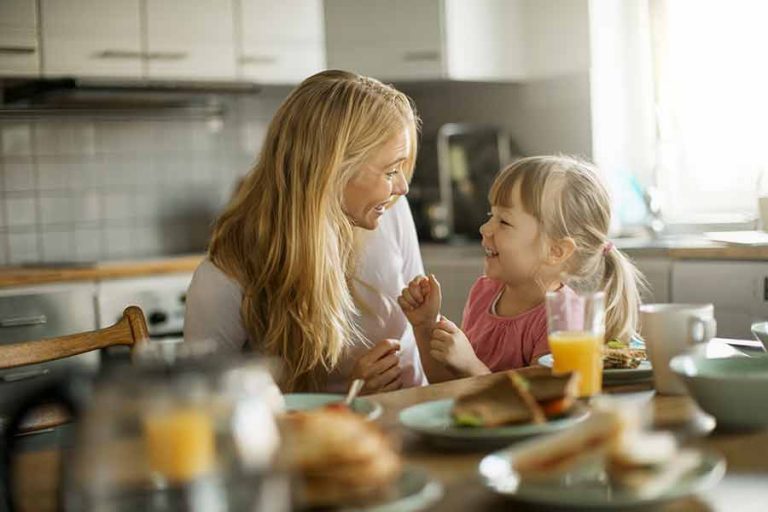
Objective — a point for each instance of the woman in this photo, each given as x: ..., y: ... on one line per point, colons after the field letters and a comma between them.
x: 338, y: 153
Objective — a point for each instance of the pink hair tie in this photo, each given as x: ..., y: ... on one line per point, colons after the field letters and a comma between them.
x: 608, y: 247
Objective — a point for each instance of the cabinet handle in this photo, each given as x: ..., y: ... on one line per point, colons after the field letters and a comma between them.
x: 118, y: 54
x: 765, y: 289
x: 167, y: 55
x: 424, y: 55
x: 258, y: 59
x: 17, y: 50
x: 23, y: 321
x: 25, y: 374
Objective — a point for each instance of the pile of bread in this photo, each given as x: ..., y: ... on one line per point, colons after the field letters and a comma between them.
x: 338, y: 456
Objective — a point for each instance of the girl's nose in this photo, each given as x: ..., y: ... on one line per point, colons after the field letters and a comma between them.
x: 485, y: 229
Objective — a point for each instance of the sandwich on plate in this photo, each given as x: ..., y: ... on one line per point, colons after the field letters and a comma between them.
x: 514, y: 399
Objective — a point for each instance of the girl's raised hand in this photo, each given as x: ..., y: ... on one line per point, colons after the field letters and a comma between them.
x: 421, y: 301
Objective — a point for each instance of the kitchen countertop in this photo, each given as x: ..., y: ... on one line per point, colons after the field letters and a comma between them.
x: 42, y: 274
x: 682, y: 247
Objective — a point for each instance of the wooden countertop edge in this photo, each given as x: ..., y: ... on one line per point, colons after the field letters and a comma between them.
x: 728, y: 252
x: 24, y: 276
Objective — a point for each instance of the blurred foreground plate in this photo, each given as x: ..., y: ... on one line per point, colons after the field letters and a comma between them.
x: 308, y: 401
x: 595, y: 491
x: 433, y: 421
x: 414, y: 490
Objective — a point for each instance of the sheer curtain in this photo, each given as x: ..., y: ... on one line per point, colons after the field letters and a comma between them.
x: 710, y: 60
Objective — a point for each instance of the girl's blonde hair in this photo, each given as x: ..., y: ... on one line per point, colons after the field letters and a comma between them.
x: 567, y: 198
x: 284, y: 235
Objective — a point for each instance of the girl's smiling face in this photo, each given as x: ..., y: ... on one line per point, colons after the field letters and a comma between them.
x: 378, y: 180
x: 512, y: 242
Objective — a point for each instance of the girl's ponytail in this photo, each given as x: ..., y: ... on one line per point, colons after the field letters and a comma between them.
x: 622, y: 282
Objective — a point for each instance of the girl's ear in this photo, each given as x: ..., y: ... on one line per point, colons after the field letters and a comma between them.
x: 560, y: 251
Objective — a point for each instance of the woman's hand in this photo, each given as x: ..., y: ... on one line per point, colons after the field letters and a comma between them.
x: 450, y: 346
x: 379, y: 367
x: 421, y: 301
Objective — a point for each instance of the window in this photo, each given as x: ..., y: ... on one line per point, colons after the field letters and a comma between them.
x: 710, y: 73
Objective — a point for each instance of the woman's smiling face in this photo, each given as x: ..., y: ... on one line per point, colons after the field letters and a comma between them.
x: 511, y: 241
x: 377, y: 181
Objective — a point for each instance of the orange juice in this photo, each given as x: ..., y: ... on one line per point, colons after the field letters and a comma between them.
x: 580, y: 352
x: 180, y: 443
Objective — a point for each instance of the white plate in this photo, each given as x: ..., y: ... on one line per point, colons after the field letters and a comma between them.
x: 433, y: 420
x: 611, y: 375
x: 591, y: 492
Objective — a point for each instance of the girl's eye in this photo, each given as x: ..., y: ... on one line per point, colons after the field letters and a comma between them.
x: 506, y: 223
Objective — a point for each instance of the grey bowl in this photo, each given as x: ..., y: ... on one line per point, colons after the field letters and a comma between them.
x: 760, y: 332
x: 732, y: 389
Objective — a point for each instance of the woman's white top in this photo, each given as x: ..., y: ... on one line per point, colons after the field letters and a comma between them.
x: 388, y: 260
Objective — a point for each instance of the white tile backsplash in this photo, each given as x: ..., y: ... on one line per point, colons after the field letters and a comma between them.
x: 100, y: 187
x: 21, y: 211
x: 57, y: 245
x: 56, y: 209
x: 87, y: 206
x: 89, y: 244
x: 16, y: 140
x: 65, y: 138
x: 23, y: 247
x: 18, y: 175
x: 55, y: 174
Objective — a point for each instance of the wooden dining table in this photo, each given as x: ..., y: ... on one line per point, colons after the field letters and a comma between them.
x: 743, y: 488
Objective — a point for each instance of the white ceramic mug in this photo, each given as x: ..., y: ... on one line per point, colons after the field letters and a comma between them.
x: 668, y: 330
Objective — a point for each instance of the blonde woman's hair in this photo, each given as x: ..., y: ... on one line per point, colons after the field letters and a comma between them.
x: 567, y: 198
x: 284, y: 236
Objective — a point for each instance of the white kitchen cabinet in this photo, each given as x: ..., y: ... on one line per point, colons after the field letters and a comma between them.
x: 658, y: 275
x: 190, y: 39
x: 91, y: 38
x: 280, y: 42
x: 19, y: 49
x: 738, y: 290
x: 505, y: 40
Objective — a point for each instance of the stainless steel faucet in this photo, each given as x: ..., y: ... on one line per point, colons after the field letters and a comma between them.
x: 655, y: 221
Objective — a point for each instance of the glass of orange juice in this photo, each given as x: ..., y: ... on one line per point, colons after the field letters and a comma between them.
x: 576, y: 324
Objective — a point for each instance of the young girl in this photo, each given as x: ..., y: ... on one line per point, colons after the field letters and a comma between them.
x: 547, y: 231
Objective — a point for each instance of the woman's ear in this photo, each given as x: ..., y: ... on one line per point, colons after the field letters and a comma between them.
x: 560, y: 251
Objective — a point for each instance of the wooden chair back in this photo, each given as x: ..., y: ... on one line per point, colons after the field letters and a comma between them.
x: 130, y: 330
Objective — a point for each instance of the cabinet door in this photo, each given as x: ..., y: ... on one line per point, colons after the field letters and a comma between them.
x: 485, y: 39
x: 281, y: 42
x: 19, y: 51
x: 91, y: 38
x: 393, y: 40
x: 658, y: 275
x: 736, y: 288
x: 190, y: 39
